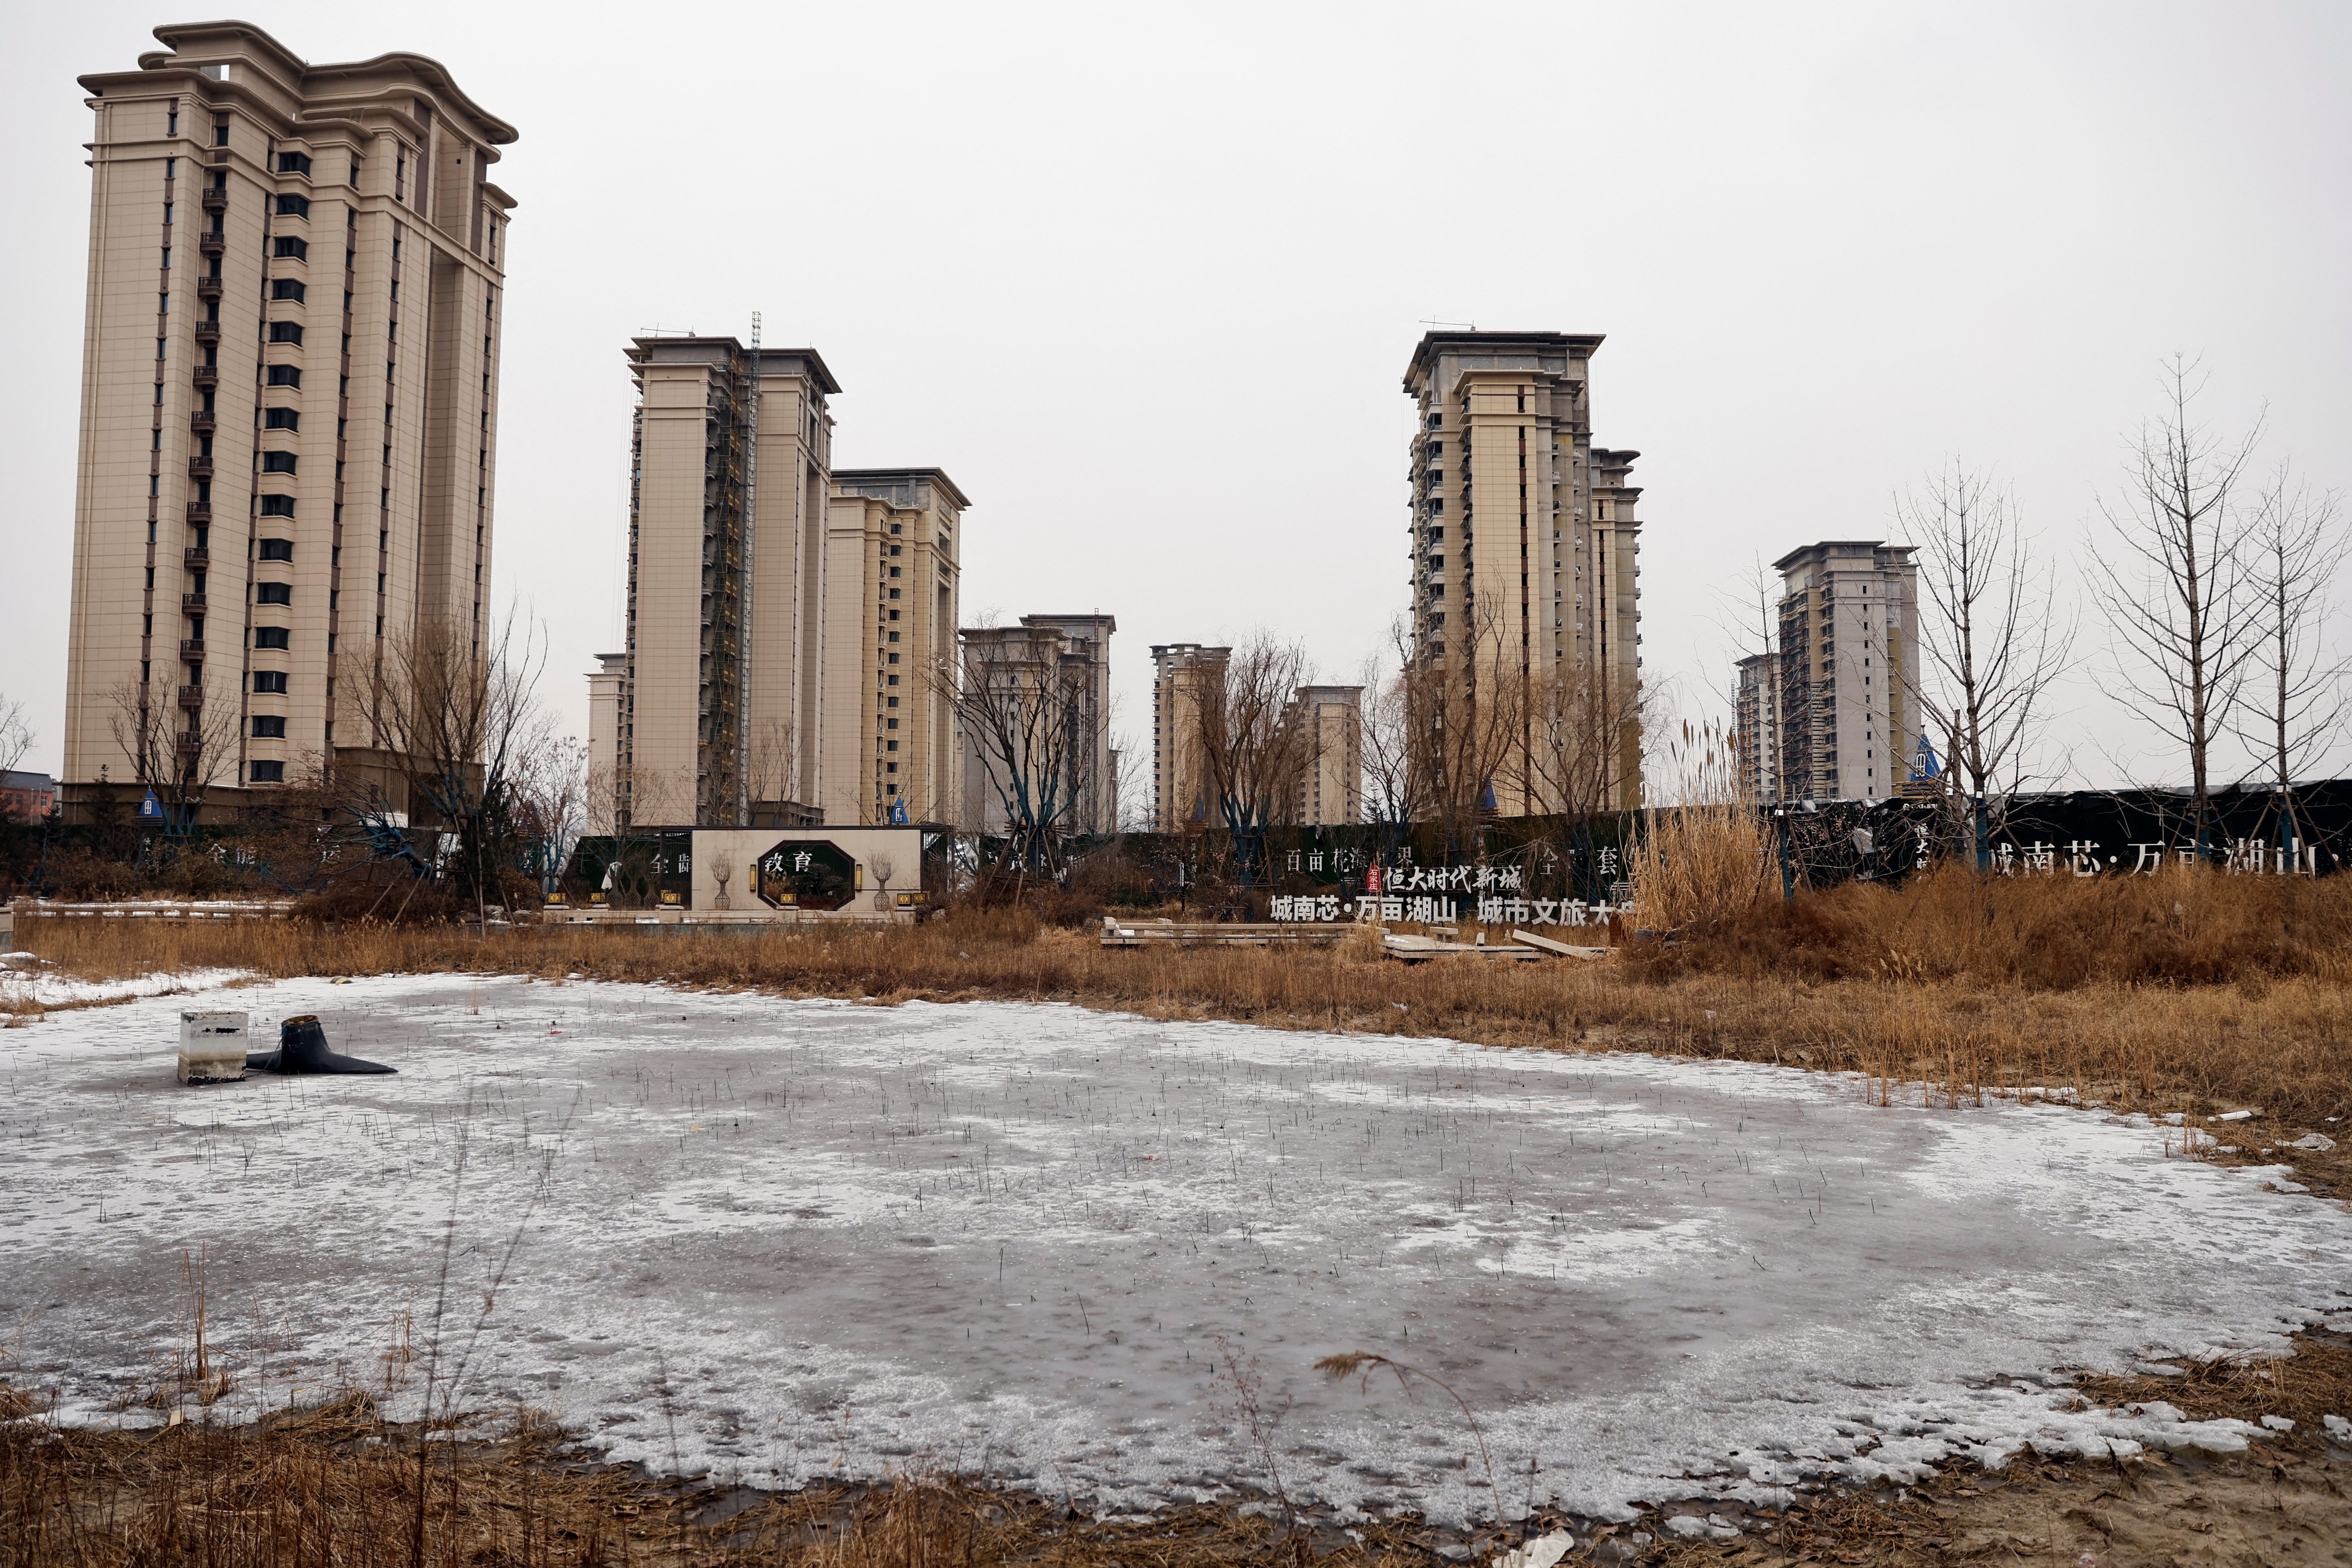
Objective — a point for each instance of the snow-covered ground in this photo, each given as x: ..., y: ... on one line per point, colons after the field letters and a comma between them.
x: 38, y: 988
x: 787, y: 1239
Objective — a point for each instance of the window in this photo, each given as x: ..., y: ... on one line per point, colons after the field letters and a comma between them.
x: 270, y: 680
x: 293, y: 163
x: 268, y: 726
x: 277, y: 463
x: 267, y: 772
x: 285, y: 376
x: 288, y: 245
x: 282, y: 419
x: 286, y: 331
x: 220, y: 127
x: 293, y: 207
x: 273, y: 593
x: 286, y: 288
x: 277, y: 505
x: 269, y: 637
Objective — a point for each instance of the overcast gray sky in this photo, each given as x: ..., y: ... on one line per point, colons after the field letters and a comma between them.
x: 1144, y: 280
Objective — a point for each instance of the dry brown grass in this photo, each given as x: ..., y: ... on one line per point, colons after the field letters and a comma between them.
x: 2182, y: 991
x: 337, y: 1487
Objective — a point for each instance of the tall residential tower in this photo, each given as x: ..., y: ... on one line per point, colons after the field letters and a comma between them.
x: 722, y: 689
x: 1849, y: 653
x: 890, y: 750
x: 1523, y: 541
x: 289, y: 404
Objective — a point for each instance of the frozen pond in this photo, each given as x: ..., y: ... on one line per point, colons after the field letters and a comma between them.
x: 780, y: 1239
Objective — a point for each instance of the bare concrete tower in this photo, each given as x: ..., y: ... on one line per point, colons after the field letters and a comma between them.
x: 723, y: 691
x: 1183, y: 675
x: 1523, y: 541
x: 891, y: 593
x: 1331, y: 783
x: 288, y: 403
x: 1849, y: 642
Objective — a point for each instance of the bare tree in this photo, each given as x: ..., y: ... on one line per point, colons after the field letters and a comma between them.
x: 16, y: 733
x: 1585, y: 730
x: 1993, y: 637
x: 2294, y: 710
x: 1252, y: 754
x: 771, y: 762
x: 178, y: 752
x: 1390, y: 776
x: 2175, y: 598
x: 1466, y: 716
x: 1033, y: 764
x: 452, y: 725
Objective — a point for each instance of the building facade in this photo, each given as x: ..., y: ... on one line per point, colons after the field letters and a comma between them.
x: 1849, y: 629
x: 1756, y: 699
x: 1033, y: 721
x: 1331, y: 778
x: 722, y: 688
x: 1086, y: 659
x: 289, y: 404
x: 890, y: 747
x: 600, y: 809
x: 1523, y: 540
x: 1183, y: 675
x: 27, y: 797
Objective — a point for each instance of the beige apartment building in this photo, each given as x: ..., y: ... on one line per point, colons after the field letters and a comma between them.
x: 604, y: 684
x: 890, y: 749
x: 1756, y: 701
x: 1332, y: 779
x: 1036, y: 725
x: 722, y: 684
x: 288, y: 402
x: 1182, y: 675
x: 1849, y: 644
x: 1525, y: 542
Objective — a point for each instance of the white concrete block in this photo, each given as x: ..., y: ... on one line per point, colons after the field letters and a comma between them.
x: 212, y: 1047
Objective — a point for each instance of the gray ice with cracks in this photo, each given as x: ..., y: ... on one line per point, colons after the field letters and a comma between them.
x: 781, y: 1240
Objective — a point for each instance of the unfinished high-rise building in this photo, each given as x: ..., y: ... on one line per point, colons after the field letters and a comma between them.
x: 1756, y: 701
x: 1849, y: 634
x: 1035, y: 725
x: 289, y: 395
x: 1524, y: 543
x: 890, y: 751
x: 722, y: 691
x: 1183, y: 677
x: 1331, y: 758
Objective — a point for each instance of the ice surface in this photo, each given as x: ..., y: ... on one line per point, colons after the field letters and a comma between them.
x: 780, y: 1239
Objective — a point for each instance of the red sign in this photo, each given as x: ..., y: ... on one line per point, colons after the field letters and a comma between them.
x: 1372, y: 879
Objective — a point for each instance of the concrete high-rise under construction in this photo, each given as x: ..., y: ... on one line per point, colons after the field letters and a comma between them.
x: 1524, y: 542
x: 1846, y: 708
x: 289, y: 405
x: 719, y: 707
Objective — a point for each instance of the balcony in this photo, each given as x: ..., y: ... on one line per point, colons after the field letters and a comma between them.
x: 207, y: 375
x: 215, y: 199
x: 187, y: 745
x: 212, y: 243
x: 208, y: 289
x: 207, y: 331
x: 202, y: 422
x: 192, y: 647
x: 192, y: 696
x: 200, y: 466
x: 200, y: 511
x: 192, y: 604
x: 197, y: 555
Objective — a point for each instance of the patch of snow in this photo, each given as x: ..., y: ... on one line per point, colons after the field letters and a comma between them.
x: 1540, y: 1553
x: 1037, y: 1244
x: 57, y: 990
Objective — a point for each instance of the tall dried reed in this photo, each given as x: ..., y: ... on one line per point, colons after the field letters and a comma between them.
x: 1699, y: 864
